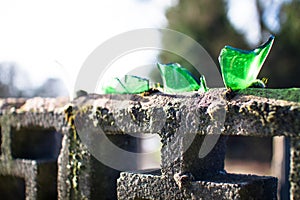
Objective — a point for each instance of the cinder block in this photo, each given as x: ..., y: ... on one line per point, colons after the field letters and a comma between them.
x: 295, y: 167
x: 178, y: 158
x: 87, y: 177
x: 30, y: 179
x: 30, y: 144
x: 224, y: 186
x: 252, y: 112
x: 82, y: 176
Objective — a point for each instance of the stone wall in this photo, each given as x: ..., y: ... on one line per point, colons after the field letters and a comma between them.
x: 43, y: 157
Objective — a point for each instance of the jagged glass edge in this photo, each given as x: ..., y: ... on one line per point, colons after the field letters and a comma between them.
x: 270, y: 40
x: 201, y: 82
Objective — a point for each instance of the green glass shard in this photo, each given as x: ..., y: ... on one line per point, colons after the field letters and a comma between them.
x: 130, y: 85
x: 115, y: 87
x: 203, y: 87
x: 135, y: 84
x: 240, y: 67
x: 177, y: 79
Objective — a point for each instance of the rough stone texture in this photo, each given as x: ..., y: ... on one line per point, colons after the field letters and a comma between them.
x: 175, y: 117
x: 295, y: 167
x: 39, y: 179
x: 266, y: 114
x: 176, y: 158
x: 39, y: 132
x: 226, y: 186
x: 252, y: 112
x: 248, y: 115
x: 30, y: 144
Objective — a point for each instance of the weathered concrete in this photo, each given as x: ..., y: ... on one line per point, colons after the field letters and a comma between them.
x: 252, y: 112
x: 295, y: 167
x: 30, y: 144
x: 224, y: 186
x: 39, y: 129
x: 39, y: 179
x: 248, y: 115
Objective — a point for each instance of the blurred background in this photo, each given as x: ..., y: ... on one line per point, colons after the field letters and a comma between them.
x: 41, y: 41
x: 43, y: 45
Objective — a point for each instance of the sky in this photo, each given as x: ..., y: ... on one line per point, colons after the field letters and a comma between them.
x: 53, y: 38
x: 243, y: 13
x: 243, y: 16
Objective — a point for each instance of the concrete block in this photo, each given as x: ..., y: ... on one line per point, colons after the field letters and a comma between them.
x: 30, y: 145
x: 44, y: 121
x: 28, y: 179
x: 223, y: 186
